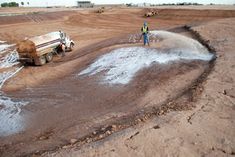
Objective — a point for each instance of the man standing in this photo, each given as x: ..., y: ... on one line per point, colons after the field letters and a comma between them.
x: 63, y: 49
x: 62, y: 43
x: 145, y: 31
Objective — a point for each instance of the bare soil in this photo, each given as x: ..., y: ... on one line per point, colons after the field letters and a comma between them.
x: 203, y: 126
x: 64, y: 107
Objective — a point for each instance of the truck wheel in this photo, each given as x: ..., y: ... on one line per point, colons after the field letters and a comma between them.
x: 49, y: 56
x: 71, y: 47
x: 40, y: 60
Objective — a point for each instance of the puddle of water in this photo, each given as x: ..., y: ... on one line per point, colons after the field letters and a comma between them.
x: 9, y: 60
x: 121, y: 65
x: 10, y: 119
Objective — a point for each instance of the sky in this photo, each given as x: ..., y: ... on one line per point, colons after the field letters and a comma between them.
x: 73, y: 2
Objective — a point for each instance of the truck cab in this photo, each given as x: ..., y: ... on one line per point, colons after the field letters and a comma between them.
x: 66, y: 41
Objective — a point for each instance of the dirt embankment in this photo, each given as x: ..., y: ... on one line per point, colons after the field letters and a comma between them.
x: 107, y: 20
x: 36, y: 17
x: 182, y: 14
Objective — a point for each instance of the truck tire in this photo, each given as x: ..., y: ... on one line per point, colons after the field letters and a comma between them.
x: 49, y: 56
x: 40, y: 60
x: 71, y: 47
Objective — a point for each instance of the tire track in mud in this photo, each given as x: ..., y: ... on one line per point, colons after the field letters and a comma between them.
x: 180, y: 102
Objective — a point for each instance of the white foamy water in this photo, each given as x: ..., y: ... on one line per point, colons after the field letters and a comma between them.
x: 177, y: 42
x: 9, y: 60
x: 4, y: 47
x: 121, y: 65
x: 10, y: 119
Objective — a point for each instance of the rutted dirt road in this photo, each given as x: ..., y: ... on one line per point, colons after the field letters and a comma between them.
x: 63, y: 105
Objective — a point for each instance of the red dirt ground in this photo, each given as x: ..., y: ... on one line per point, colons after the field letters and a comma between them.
x: 63, y: 107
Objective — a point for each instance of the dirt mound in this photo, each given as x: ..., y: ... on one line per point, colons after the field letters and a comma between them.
x: 177, y: 14
x: 121, y: 20
x: 151, y: 12
x: 34, y: 17
x: 26, y: 46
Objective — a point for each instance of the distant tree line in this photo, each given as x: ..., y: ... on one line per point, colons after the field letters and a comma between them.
x: 10, y: 4
x: 13, y: 4
x: 22, y: 3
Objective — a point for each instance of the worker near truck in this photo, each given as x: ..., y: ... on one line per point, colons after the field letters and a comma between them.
x: 62, y: 49
x: 62, y: 44
x: 145, y: 31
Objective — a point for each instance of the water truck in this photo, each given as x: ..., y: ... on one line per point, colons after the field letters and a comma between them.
x: 40, y: 49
